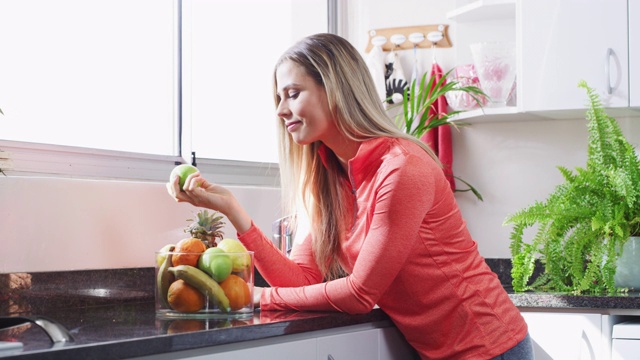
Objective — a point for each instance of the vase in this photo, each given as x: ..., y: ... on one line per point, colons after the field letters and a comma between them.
x: 628, y: 265
x: 495, y: 63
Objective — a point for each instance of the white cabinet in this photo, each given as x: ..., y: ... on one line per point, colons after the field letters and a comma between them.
x: 365, y: 341
x: 559, y: 43
x: 345, y: 346
x: 300, y: 349
x: 566, y: 335
x: 563, y: 42
x: 382, y: 344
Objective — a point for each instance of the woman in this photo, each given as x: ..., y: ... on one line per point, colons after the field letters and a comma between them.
x: 385, y: 227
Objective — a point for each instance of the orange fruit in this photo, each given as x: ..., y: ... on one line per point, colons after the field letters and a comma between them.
x: 185, y: 298
x: 187, y: 252
x: 237, y: 290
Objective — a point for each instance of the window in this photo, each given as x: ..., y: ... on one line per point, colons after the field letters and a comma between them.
x: 89, y: 73
x: 230, y: 48
x: 105, y: 88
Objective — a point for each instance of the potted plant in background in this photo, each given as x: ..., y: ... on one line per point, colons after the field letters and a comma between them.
x: 416, y: 119
x: 586, y: 221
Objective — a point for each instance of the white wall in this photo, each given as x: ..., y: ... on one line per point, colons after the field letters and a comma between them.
x: 54, y: 224
x: 512, y: 164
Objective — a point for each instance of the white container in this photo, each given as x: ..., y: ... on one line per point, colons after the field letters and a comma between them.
x: 628, y: 265
x: 495, y: 63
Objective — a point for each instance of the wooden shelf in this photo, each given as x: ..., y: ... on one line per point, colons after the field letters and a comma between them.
x: 406, y: 31
x: 483, y: 10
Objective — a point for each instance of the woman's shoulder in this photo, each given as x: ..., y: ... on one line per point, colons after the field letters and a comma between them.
x: 395, y: 152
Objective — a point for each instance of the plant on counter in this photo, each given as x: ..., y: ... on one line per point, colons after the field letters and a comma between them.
x: 583, y: 224
x: 416, y: 119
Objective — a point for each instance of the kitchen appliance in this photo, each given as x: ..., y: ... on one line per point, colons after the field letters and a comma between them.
x: 626, y: 340
x: 283, y: 233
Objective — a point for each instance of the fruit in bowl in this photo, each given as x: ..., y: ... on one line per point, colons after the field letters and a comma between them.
x: 240, y: 260
x: 215, y: 262
x: 198, y: 277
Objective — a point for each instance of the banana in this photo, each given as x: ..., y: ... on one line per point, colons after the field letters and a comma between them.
x: 165, y: 278
x: 201, y: 281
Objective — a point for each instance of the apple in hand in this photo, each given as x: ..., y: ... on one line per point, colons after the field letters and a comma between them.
x: 182, y: 171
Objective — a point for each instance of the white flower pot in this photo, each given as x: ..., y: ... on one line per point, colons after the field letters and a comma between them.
x: 628, y: 265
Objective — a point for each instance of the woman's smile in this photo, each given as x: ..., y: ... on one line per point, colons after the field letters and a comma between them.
x: 293, y: 125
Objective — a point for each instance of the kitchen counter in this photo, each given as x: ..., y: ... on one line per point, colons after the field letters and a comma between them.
x: 132, y: 330
x: 114, y: 322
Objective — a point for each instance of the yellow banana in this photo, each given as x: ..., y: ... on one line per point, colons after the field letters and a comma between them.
x: 164, y: 280
x: 201, y: 281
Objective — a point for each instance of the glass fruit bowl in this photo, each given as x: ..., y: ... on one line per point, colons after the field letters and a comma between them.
x: 211, y: 284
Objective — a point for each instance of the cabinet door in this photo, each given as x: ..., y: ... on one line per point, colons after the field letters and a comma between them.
x: 563, y: 42
x: 347, y: 346
x: 393, y: 345
x: 634, y: 53
x: 291, y: 350
x: 566, y: 335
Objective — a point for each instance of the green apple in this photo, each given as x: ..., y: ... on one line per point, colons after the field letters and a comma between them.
x: 237, y: 252
x: 182, y: 171
x: 215, y: 262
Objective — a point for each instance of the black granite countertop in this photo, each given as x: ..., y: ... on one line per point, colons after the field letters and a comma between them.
x: 132, y: 330
x: 111, y: 315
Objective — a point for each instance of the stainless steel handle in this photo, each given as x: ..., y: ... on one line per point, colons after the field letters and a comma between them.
x: 607, y: 70
x: 56, y: 332
x: 330, y: 357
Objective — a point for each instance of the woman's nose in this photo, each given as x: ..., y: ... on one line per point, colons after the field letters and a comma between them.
x: 282, y: 111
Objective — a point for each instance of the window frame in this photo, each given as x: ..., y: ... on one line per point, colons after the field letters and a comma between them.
x: 47, y: 160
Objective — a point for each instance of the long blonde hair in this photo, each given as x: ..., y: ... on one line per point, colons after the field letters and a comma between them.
x: 339, y: 68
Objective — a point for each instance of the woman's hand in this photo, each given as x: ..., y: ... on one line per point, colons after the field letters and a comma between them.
x: 201, y: 193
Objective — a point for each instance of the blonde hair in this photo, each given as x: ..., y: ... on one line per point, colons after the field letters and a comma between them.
x: 339, y: 68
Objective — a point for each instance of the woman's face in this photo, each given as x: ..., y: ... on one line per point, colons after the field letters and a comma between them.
x: 303, y: 106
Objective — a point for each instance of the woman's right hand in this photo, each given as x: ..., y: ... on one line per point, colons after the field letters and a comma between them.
x: 202, y: 193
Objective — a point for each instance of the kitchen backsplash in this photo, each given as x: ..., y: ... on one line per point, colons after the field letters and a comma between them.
x: 56, y: 224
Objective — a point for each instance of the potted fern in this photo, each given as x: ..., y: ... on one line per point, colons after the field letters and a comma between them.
x: 585, y: 222
x: 415, y: 118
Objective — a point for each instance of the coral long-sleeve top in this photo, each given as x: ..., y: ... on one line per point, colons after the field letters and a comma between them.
x: 409, y: 252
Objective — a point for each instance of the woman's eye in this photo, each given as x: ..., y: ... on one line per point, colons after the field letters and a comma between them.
x: 293, y: 94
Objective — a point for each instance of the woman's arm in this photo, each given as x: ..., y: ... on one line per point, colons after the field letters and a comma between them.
x: 403, y: 197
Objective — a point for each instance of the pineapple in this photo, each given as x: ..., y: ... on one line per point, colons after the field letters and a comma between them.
x: 207, y: 227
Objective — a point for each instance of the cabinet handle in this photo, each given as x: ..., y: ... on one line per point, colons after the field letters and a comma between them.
x: 330, y: 357
x: 607, y: 70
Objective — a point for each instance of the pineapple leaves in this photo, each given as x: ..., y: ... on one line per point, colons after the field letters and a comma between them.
x: 579, y: 230
x: 206, y: 227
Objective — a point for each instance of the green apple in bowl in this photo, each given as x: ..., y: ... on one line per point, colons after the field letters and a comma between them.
x: 215, y: 262
x: 182, y: 171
